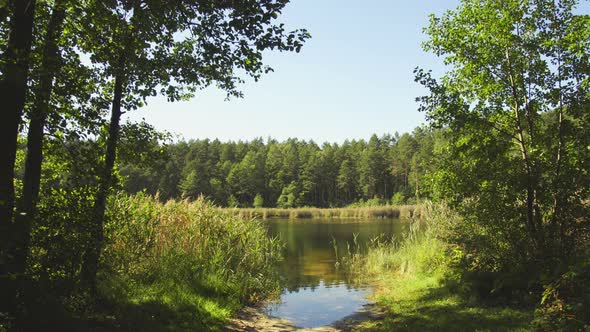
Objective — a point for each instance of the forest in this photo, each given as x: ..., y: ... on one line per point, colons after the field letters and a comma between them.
x: 107, y: 225
x: 391, y: 169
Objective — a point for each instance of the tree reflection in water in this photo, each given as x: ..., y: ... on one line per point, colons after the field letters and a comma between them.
x: 316, y: 291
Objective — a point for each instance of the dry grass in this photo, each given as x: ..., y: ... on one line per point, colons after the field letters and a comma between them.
x: 389, y: 211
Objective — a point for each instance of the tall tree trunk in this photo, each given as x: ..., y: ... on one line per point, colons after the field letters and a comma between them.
x: 12, y: 93
x: 558, y: 192
x: 92, y: 253
x: 530, y: 190
x: 38, y: 115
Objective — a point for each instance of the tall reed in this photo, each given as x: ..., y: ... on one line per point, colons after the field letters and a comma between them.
x: 192, y: 243
x: 388, y: 211
x: 419, y: 250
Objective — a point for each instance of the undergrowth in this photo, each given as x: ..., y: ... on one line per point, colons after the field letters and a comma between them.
x: 416, y: 282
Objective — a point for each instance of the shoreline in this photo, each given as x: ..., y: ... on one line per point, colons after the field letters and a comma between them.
x: 377, y: 212
x: 253, y: 318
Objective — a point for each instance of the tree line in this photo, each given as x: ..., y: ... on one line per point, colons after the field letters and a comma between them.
x: 389, y: 169
x: 68, y: 71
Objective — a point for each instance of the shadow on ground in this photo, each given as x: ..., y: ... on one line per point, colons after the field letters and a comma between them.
x: 437, y: 310
x: 154, y: 316
x: 146, y: 316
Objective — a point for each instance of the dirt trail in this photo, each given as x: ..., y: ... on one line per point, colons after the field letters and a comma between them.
x: 253, y: 319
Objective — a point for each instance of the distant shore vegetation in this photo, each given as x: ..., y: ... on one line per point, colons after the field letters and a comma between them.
x: 391, y: 169
x: 372, y: 212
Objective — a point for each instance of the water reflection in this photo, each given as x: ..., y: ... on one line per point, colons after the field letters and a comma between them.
x: 317, y: 292
x: 318, y: 305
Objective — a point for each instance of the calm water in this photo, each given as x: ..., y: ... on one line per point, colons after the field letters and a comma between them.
x: 317, y: 293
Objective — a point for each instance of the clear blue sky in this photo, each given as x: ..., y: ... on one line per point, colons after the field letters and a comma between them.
x: 353, y: 78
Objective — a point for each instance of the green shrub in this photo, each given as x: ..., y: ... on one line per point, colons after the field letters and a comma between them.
x: 258, y: 201
x: 59, y: 235
x: 398, y: 198
x: 565, y: 301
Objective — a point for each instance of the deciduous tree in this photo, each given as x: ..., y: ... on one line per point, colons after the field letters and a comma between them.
x: 514, y: 99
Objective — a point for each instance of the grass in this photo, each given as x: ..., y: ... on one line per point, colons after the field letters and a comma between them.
x: 388, y: 211
x: 423, y: 303
x: 164, y: 305
x: 180, y: 266
x: 411, y: 285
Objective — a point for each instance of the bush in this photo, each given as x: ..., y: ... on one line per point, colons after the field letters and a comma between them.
x: 398, y: 198
x: 258, y: 201
x: 58, y: 238
x: 565, y: 302
x: 493, y: 257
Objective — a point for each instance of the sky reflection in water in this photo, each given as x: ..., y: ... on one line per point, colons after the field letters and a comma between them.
x: 316, y: 292
x: 321, y: 305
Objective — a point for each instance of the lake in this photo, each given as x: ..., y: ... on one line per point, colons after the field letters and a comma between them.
x: 317, y: 293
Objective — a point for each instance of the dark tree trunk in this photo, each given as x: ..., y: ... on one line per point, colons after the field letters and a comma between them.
x: 92, y: 253
x: 38, y: 115
x: 12, y: 93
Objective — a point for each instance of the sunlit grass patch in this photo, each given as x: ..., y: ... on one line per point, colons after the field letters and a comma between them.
x: 411, y: 277
x: 419, y: 302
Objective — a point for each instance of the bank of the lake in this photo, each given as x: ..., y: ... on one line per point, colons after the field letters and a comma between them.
x: 178, y: 266
x: 416, y: 290
x: 187, y: 265
x: 367, y: 213
x: 190, y: 266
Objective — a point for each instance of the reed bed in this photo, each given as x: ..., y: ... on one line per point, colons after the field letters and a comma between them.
x: 186, y: 258
x: 388, y: 211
